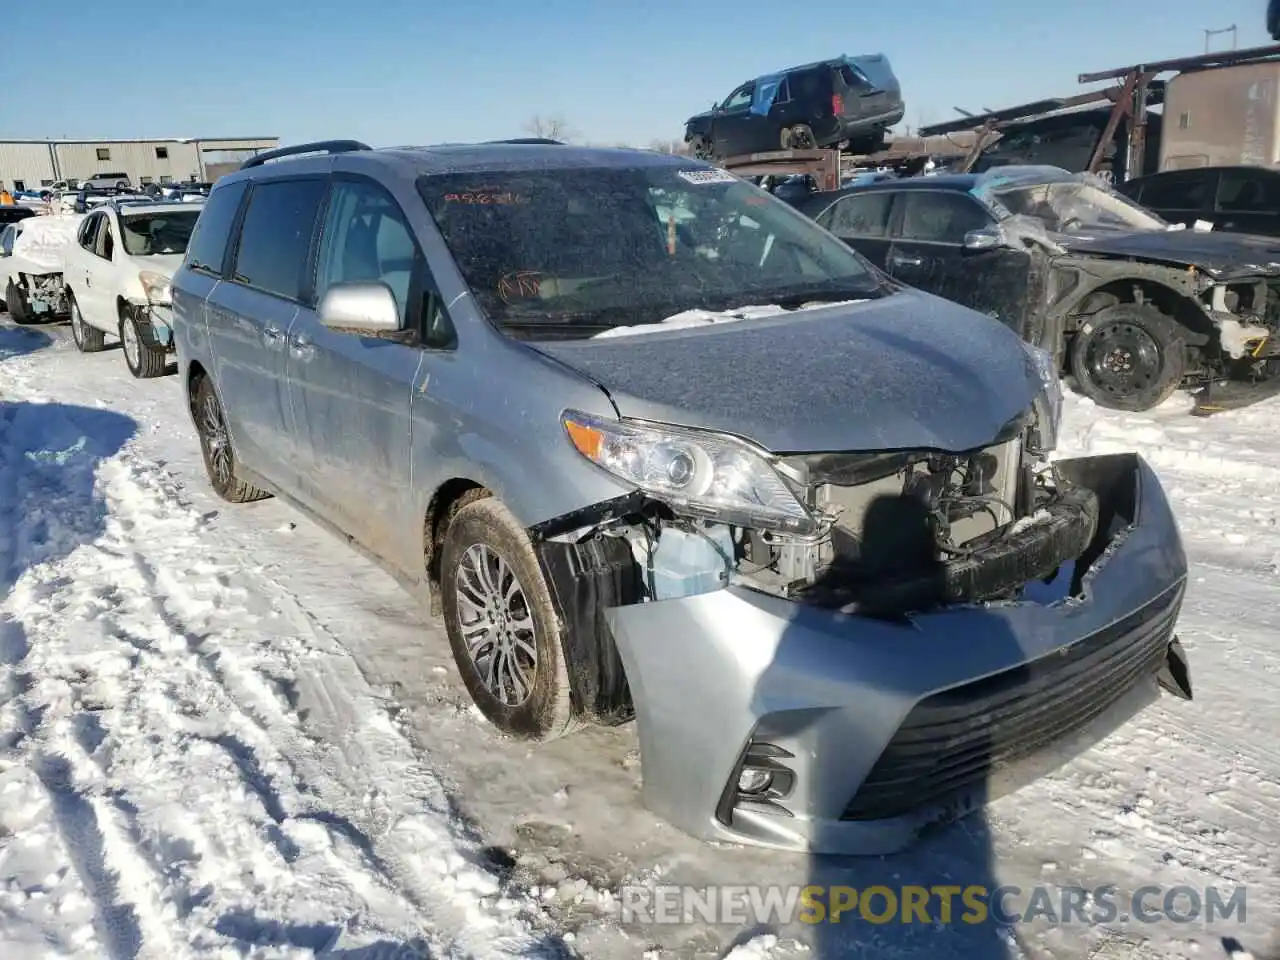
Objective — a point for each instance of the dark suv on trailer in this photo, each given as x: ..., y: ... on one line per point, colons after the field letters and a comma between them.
x: 845, y: 100
x: 1131, y: 308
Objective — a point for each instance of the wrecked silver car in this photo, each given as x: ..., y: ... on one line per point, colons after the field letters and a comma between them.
x: 1131, y: 307
x: 658, y: 448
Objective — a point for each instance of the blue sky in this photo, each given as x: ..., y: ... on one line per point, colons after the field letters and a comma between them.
x: 409, y: 71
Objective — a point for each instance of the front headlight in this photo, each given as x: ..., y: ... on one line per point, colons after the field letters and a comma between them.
x: 1048, y: 402
x: 155, y: 286
x: 706, y: 474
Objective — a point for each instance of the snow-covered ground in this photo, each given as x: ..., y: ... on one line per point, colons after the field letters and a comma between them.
x: 222, y: 733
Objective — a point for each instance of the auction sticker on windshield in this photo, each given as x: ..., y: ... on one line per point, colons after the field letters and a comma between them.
x: 707, y: 176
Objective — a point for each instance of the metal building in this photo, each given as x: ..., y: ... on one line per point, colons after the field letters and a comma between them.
x: 30, y: 164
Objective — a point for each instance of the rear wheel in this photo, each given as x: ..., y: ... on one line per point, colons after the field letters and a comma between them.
x: 88, y: 339
x: 16, y: 302
x: 799, y: 137
x: 502, y: 625
x: 142, y: 355
x: 215, y: 444
x: 1129, y: 357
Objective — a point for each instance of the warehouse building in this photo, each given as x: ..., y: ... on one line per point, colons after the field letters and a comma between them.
x: 31, y: 164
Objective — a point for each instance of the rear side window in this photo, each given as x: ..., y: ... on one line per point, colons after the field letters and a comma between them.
x: 940, y: 217
x: 276, y: 237
x: 208, y: 246
x: 1240, y: 191
x: 862, y: 216
x: 1182, y: 192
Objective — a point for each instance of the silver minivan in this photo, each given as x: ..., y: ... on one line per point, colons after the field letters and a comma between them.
x: 656, y: 446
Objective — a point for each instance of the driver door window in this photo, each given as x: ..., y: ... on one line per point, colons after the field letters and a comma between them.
x: 936, y: 217
x: 366, y: 239
x: 739, y: 100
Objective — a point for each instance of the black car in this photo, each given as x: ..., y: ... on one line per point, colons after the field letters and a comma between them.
x: 845, y: 100
x: 12, y: 213
x: 1236, y: 199
x: 1130, y: 307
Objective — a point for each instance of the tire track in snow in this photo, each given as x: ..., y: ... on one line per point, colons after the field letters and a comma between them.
x: 388, y: 829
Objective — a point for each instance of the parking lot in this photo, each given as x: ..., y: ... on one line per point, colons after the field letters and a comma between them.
x: 256, y: 734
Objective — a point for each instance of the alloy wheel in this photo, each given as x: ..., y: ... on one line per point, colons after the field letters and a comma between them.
x: 217, y: 442
x: 496, y: 624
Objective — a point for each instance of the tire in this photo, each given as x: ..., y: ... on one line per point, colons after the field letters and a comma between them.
x: 485, y: 531
x: 215, y: 446
x: 88, y: 339
x: 142, y: 355
x: 701, y: 147
x: 798, y: 137
x: 1129, y: 357
x: 16, y: 302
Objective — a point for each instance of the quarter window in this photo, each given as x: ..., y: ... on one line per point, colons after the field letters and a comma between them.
x: 89, y: 232
x: 208, y: 247
x: 366, y: 238
x: 276, y: 237
x: 940, y: 217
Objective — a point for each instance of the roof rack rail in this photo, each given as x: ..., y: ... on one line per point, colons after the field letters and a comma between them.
x: 318, y: 146
x: 532, y: 141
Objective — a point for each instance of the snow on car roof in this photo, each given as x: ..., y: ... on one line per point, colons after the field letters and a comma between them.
x: 43, y: 240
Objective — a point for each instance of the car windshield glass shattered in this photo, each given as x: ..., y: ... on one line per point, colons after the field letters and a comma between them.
x: 158, y: 233
x: 1072, y: 206
x: 567, y: 253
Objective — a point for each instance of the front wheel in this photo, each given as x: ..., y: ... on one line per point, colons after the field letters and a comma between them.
x: 1129, y: 357
x: 142, y: 355
x: 502, y: 625
x: 88, y: 339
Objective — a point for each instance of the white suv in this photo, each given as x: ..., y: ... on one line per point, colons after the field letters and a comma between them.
x: 117, y: 275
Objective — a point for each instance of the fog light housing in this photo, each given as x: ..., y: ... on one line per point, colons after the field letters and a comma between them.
x: 753, y: 780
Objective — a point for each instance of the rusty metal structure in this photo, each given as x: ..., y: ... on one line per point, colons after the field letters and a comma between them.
x: 823, y: 165
x: 1136, y: 88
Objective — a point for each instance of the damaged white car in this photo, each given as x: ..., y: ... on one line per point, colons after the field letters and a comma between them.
x: 32, y: 258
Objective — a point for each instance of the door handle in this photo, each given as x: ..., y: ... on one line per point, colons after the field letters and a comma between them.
x: 302, y: 346
x: 272, y: 335
x: 902, y: 260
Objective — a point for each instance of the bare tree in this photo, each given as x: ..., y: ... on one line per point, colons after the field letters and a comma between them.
x: 676, y: 147
x: 550, y: 128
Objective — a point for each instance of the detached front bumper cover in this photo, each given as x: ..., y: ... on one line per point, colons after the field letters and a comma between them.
x: 859, y: 733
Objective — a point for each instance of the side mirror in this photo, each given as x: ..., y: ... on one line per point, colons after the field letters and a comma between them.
x: 360, y: 308
x: 987, y: 238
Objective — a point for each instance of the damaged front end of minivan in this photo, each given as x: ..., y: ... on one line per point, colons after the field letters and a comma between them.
x: 830, y: 651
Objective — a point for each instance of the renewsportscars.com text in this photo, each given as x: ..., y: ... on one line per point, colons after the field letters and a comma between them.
x: 974, y: 904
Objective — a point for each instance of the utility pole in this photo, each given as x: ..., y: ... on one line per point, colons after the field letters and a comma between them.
x: 1213, y: 33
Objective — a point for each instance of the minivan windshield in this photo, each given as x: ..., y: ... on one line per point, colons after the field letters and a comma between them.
x: 148, y: 234
x: 564, y: 253
x: 1075, y: 206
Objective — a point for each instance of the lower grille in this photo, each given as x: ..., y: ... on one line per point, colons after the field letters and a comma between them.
x: 955, y: 738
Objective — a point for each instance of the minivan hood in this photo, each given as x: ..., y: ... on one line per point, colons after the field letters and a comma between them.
x: 1216, y: 253
x: 907, y: 371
